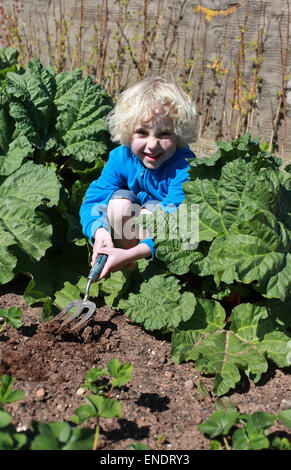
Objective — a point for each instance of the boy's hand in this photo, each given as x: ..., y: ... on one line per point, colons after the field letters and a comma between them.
x: 102, y: 239
x: 118, y: 258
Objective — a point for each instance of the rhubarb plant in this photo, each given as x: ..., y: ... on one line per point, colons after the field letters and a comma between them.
x: 220, y: 282
x: 53, y: 142
x: 225, y: 300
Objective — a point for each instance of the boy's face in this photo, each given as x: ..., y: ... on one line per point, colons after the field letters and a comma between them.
x: 154, y: 142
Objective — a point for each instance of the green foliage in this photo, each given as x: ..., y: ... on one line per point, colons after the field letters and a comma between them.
x: 227, y: 299
x: 59, y: 112
x: 244, y: 431
x: 120, y: 375
x: 53, y: 142
x: 11, y: 317
x: 9, y: 438
x: 220, y: 422
x: 60, y: 436
x: 22, y: 223
x: 8, y: 63
x: 252, y: 338
x: 72, y: 292
x: 40, y: 436
x: 162, y: 295
x: 6, y: 394
x: 64, y: 435
x: 100, y: 405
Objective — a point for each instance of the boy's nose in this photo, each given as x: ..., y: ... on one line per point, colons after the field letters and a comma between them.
x: 152, y: 142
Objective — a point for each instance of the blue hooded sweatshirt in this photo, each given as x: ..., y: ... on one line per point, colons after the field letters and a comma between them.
x: 124, y: 170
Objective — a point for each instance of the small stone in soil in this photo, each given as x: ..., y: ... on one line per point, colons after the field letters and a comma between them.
x: 169, y: 375
x: 189, y: 384
x: 40, y: 393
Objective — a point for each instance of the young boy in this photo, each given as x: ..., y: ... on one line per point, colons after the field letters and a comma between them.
x: 154, y: 121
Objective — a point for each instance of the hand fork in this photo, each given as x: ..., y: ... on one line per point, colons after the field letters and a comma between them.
x: 85, y: 303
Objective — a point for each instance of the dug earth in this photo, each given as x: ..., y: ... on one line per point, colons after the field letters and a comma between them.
x: 163, y: 403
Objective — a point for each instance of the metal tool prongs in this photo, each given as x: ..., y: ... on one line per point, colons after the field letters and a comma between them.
x: 84, y: 304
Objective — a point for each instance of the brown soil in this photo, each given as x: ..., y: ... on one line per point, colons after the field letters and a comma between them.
x: 161, y: 405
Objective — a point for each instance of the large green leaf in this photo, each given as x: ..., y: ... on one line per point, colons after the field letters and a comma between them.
x: 271, y: 191
x: 66, y: 295
x: 21, y: 223
x: 32, y: 106
x: 178, y: 260
x: 255, y: 251
x: 244, y: 148
x: 176, y: 236
x: 72, y: 292
x: 229, y: 193
x: 115, y: 286
x: 280, y: 311
x: 62, y: 111
x: 220, y: 194
x: 8, y: 61
x: 18, y: 150
x: 80, y: 124
x: 208, y: 316
x: 159, y: 303
x: 252, y: 338
x: 8, y: 57
x: 12, y: 152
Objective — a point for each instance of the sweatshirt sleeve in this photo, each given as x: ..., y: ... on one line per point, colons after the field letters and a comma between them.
x: 93, y: 211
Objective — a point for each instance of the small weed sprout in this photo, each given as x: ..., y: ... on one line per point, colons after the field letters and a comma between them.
x: 11, y: 317
x: 100, y: 405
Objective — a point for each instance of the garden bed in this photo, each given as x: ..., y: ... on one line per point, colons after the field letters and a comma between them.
x: 163, y: 403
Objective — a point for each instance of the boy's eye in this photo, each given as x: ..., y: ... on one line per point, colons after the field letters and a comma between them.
x: 141, y: 132
x: 160, y: 135
x: 166, y: 133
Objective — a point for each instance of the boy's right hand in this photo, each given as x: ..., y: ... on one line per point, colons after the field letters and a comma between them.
x: 102, y: 239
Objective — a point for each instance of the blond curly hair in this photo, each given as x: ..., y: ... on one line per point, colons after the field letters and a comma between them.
x: 138, y: 104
